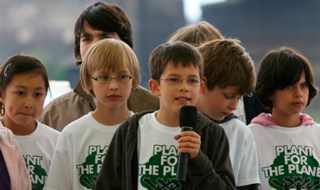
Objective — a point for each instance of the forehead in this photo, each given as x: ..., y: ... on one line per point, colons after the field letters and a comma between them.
x: 28, y: 80
x: 109, y: 68
x: 180, y: 68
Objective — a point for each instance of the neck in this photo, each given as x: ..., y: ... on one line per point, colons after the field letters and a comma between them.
x: 286, y: 120
x: 168, y: 119
x: 21, y: 130
x: 111, y: 116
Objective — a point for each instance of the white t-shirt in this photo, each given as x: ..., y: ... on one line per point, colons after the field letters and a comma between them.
x: 243, y: 152
x: 79, y: 154
x: 37, y: 150
x: 289, y: 158
x: 158, y: 153
x: 240, y: 112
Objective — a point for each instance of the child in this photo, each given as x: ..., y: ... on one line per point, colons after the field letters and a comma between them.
x: 14, y: 173
x: 23, y: 86
x: 202, y: 32
x: 109, y: 72
x: 96, y: 22
x: 229, y: 75
x: 196, y: 34
x: 287, y: 140
x: 143, y: 153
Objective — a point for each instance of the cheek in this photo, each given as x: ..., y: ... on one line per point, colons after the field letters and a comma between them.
x: 83, y: 50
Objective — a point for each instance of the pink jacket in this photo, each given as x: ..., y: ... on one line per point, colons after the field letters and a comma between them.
x: 18, y: 173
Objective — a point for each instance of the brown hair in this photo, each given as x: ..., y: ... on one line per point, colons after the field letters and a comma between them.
x: 226, y: 63
x: 281, y: 68
x: 176, y: 53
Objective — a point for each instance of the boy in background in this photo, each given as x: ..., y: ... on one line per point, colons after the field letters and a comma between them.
x: 153, y: 139
x: 202, y: 32
x: 228, y: 75
x: 98, y: 21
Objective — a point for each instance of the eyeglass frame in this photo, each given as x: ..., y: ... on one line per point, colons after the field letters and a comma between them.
x: 180, y: 81
x: 108, y: 79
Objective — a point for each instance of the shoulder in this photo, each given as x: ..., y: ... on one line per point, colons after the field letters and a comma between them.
x: 236, y: 126
x: 79, y: 124
x: 7, y: 138
x: 48, y: 129
x: 206, y: 125
x: 142, y: 99
x: 130, y: 125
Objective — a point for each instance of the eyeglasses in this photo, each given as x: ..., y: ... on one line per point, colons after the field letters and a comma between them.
x: 108, y: 79
x: 191, y: 81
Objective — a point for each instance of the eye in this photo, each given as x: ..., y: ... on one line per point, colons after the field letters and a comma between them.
x: 231, y: 96
x: 20, y: 93
x: 103, y: 78
x: 305, y: 85
x: 123, y: 77
x: 174, y: 80
x: 193, y: 81
x: 288, y: 87
x: 38, y: 94
x: 85, y: 38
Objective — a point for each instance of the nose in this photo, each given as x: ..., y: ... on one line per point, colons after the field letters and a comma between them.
x: 298, y: 91
x: 113, y: 84
x: 184, y: 86
x: 29, y: 102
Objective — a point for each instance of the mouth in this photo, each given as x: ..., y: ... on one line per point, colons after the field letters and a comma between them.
x: 27, y: 114
x: 183, y: 99
x: 113, y: 96
x: 298, y: 103
x: 226, y: 114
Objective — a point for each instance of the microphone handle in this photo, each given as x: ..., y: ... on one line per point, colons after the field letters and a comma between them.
x: 183, y: 161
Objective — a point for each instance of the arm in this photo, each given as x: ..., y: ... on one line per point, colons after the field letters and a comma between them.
x: 110, y: 176
x: 212, y: 166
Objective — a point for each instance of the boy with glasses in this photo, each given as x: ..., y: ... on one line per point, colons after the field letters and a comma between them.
x: 109, y: 72
x: 144, y: 151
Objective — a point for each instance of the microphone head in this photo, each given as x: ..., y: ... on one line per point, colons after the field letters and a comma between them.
x: 188, y: 116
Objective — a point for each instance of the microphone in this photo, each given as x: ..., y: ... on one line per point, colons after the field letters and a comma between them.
x: 188, y: 120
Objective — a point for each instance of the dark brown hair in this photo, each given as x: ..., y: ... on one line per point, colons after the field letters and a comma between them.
x: 281, y: 68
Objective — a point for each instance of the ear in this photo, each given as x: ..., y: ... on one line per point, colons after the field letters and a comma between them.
x: 203, y: 84
x: 154, y: 87
x: 1, y: 97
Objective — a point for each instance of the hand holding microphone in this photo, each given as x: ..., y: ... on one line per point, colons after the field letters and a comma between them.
x: 190, y: 142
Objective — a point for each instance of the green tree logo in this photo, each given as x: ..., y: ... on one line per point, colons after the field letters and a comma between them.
x: 160, y: 171
x: 294, y: 168
x: 36, y: 172
x: 89, y: 170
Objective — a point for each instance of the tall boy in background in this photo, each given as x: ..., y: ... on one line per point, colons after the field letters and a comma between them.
x: 96, y: 22
x: 228, y: 75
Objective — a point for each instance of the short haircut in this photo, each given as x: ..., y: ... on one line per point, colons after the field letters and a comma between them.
x: 108, y: 54
x: 226, y: 63
x: 106, y: 17
x: 281, y: 68
x: 196, y: 34
x: 177, y: 53
x: 21, y: 64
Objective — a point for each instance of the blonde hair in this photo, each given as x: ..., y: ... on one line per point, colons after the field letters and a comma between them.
x: 109, y: 54
x: 196, y: 34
